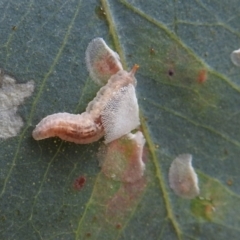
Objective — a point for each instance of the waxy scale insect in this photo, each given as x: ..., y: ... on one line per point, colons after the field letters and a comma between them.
x: 112, y: 113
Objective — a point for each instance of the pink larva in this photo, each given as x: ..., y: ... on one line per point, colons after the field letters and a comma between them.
x: 77, y: 128
x: 89, y: 126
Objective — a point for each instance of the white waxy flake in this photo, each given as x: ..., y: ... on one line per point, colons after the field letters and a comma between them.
x: 102, y: 62
x: 121, y: 114
x: 182, y: 177
x: 235, y: 57
x: 12, y: 95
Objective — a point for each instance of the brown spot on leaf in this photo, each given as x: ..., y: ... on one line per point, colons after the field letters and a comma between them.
x: 88, y: 234
x: 229, y: 182
x: 118, y: 226
x: 170, y: 72
x: 79, y: 183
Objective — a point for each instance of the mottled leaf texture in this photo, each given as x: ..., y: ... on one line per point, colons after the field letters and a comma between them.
x: 188, y: 92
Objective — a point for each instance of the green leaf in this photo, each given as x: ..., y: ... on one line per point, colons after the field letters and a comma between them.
x: 188, y: 92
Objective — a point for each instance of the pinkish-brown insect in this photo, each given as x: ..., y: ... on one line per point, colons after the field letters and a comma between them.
x: 114, y: 110
x: 77, y: 128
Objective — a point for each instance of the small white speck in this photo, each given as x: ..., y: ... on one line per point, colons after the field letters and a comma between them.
x: 235, y: 57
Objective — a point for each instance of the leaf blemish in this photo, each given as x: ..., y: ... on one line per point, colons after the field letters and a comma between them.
x: 202, y: 76
x: 88, y: 234
x: 79, y: 183
x: 12, y: 94
x: 118, y: 226
x: 170, y: 72
x: 124, y: 200
x: 122, y: 159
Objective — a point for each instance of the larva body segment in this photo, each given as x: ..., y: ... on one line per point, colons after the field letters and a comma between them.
x: 102, y: 62
x: 77, y: 128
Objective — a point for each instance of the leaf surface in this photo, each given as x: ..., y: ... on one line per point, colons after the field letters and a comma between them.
x: 188, y: 93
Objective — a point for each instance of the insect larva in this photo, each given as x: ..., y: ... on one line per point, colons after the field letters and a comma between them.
x: 113, y: 112
x: 77, y: 128
x: 235, y: 57
x: 102, y: 62
x: 182, y: 177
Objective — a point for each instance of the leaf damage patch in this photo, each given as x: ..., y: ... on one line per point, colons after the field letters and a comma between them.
x: 118, y: 188
x: 12, y: 94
